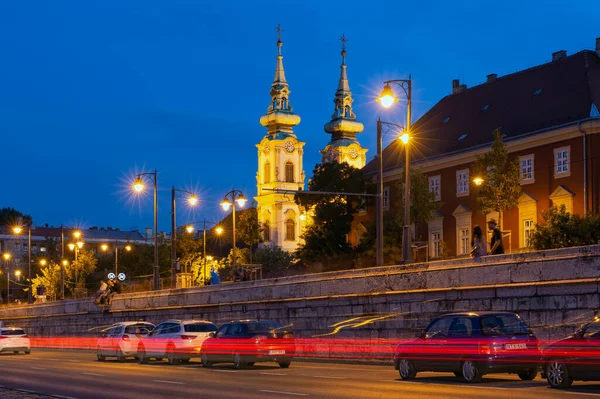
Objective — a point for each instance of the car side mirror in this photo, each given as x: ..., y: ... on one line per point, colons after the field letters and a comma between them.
x: 211, y: 335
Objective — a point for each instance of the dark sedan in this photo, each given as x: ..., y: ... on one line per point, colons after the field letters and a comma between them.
x: 574, y: 358
x: 471, y: 345
x: 246, y: 342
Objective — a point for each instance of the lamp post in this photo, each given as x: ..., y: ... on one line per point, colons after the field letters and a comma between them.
x: 6, y: 256
x: 18, y: 230
x: 105, y: 247
x: 76, y: 247
x: 387, y: 99
x: 236, y: 196
x: 192, y: 199
x: 138, y: 186
x: 219, y: 231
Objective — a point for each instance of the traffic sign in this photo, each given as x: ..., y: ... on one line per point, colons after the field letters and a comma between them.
x: 121, y: 277
x: 111, y: 276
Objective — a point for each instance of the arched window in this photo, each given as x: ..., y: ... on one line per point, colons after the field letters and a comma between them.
x: 289, y: 172
x: 290, y: 230
x: 266, y: 231
x: 347, y: 111
x: 284, y: 103
x: 267, y: 173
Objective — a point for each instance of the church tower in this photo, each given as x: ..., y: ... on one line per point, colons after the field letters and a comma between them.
x: 343, y: 125
x: 280, y: 166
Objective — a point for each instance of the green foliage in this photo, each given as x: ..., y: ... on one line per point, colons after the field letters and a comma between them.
x: 275, y: 261
x: 560, y: 229
x: 501, y: 187
x: 423, y: 205
x: 332, y: 214
x: 77, y: 271
x: 12, y: 217
x: 248, y: 228
x: 198, y: 269
x: 189, y: 249
x: 49, y: 277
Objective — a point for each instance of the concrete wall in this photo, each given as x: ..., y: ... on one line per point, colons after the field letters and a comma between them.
x: 554, y: 291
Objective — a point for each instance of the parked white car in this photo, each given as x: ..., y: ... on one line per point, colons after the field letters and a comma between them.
x: 14, y: 339
x: 177, y: 340
x: 121, y: 339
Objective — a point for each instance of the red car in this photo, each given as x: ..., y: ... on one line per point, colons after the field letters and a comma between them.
x: 471, y: 345
x: 246, y: 342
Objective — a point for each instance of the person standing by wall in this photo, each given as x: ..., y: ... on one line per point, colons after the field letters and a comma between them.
x: 497, y: 247
x: 479, y: 243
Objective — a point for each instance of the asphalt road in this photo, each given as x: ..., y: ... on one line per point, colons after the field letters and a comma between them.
x: 80, y: 375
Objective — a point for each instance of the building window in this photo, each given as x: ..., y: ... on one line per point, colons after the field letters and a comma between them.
x: 290, y: 230
x: 528, y: 227
x: 289, y: 172
x: 386, y: 198
x: 465, y: 245
x: 435, y: 186
x: 266, y: 231
x: 436, y: 244
x: 462, y: 182
x: 562, y: 160
x: 526, y: 168
x: 267, y: 173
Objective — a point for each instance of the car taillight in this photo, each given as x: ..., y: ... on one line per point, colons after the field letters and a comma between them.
x: 258, y: 338
x: 126, y: 338
x: 488, y: 349
x: 188, y: 337
x: 2, y: 337
x: 288, y: 335
x: 25, y: 336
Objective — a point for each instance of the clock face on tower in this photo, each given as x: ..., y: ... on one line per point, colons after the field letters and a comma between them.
x: 289, y: 146
x: 266, y: 148
x: 353, y: 153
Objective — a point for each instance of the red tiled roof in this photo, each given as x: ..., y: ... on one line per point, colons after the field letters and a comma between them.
x: 568, y: 86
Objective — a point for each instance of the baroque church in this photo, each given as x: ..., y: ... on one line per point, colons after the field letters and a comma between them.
x: 280, y: 155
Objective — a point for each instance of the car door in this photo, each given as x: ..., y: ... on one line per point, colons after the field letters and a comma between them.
x: 432, y: 347
x: 460, y: 343
x: 171, y: 334
x: 150, y: 342
x: 586, y: 356
x: 104, y: 342
x: 218, y: 346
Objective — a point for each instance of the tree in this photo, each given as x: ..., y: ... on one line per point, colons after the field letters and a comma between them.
x: 275, y: 261
x: 49, y: 277
x: 332, y: 214
x: 189, y: 249
x: 560, y: 229
x: 13, y: 217
x: 77, y: 271
x: 249, y: 229
x: 501, y: 187
x: 423, y: 204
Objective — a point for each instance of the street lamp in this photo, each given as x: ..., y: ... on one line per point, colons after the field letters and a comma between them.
x: 236, y: 196
x: 478, y: 181
x: 105, y: 248
x: 192, y: 199
x: 387, y: 99
x: 138, y: 187
x: 43, y: 262
x: 6, y: 256
x: 18, y: 230
x: 218, y: 230
x: 76, y: 247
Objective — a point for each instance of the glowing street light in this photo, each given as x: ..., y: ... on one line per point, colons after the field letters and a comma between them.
x: 236, y: 196
x: 77, y: 234
x: 127, y: 248
x: 192, y: 200
x: 387, y: 98
x: 43, y: 262
x: 17, y: 230
x: 138, y: 186
x: 104, y: 247
x: 6, y: 256
x: 404, y: 137
x: 189, y: 229
x: 219, y: 230
x: 478, y: 181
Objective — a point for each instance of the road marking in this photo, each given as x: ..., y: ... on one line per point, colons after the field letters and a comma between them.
x: 26, y: 390
x: 37, y: 368
x: 62, y: 397
x: 283, y: 392
x: 324, y: 376
x: 169, y: 382
x: 273, y: 374
x: 226, y: 371
x: 94, y: 374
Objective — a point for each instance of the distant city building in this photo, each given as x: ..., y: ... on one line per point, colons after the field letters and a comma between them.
x: 549, y: 114
x: 280, y: 166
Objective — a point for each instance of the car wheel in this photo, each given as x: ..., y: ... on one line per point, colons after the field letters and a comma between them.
x: 142, y: 355
x: 528, y: 375
x: 171, y: 358
x: 237, y: 361
x: 557, y: 375
x: 159, y: 358
x: 184, y: 360
x: 28, y: 351
x: 99, y: 355
x: 120, y: 356
x: 205, y: 362
x: 15, y: 352
x: 470, y: 371
x: 252, y: 364
x: 406, y: 369
x: 284, y: 364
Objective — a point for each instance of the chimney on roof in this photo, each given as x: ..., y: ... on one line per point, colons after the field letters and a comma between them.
x: 148, y: 232
x: 457, y: 87
x: 598, y: 46
x: 491, y: 77
x: 559, y: 55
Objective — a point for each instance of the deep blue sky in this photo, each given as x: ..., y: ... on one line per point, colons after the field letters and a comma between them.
x: 92, y: 91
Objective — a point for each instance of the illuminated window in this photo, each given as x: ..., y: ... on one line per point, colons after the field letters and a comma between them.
x: 436, y: 244
x: 462, y: 182
x: 289, y: 172
x: 435, y: 186
x: 561, y: 162
x: 290, y: 230
x: 528, y: 227
x: 465, y: 245
x: 267, y: 173
x: 526, y: 168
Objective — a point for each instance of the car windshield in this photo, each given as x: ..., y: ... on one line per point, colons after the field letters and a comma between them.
x: 139, y: 329
x: 199, y: 327
x: 503, y: 324
x: 263, y: 326
x: 13, y: 332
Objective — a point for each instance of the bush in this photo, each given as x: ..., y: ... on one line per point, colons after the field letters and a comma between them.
x: 560, y: 229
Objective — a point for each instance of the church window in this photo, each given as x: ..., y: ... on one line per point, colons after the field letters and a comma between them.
x: 267, y: 231
x: 284, y: 103
x: 290, y: 230
x: 347, y: 111
x: 267, y: 173
x: 289, y: 172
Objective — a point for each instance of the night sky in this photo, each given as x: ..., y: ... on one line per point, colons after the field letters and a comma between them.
x: 93, y: 91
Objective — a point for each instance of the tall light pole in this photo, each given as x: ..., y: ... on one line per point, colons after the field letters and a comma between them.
x: 387, y: 99
x: 219, y: 231
x: 6, y: 256
x: 76, y: 246
x: 236, y: 196
x: 192, y: 199
x: 18, y: 230
x: 138, y: 186
x: 105, y: 247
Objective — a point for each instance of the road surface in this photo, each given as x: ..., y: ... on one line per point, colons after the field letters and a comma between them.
x: 80, y: 375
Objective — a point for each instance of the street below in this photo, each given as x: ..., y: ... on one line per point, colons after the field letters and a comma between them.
x: 80, y: 375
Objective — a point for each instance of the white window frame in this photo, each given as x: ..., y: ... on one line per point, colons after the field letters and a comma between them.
x: 386, y: 198
x: 465, y: 191
x: 438, y: 192
x: 435, y: 243
x: 561, y: 151
x: 531, y: 178
x: 527, y: 230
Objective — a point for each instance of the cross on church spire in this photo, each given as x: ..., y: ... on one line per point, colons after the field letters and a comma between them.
x: 343, y: 40
x: 278, y: 29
